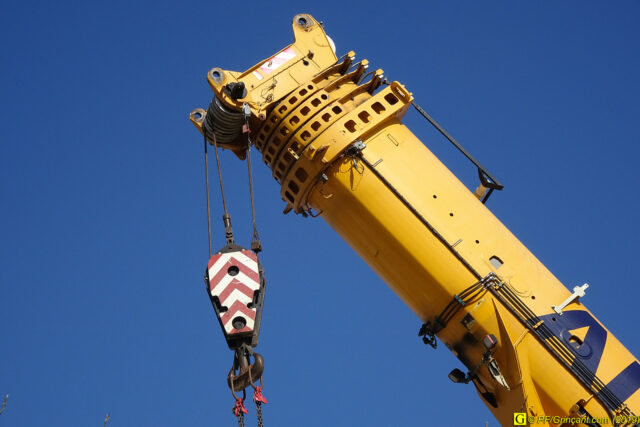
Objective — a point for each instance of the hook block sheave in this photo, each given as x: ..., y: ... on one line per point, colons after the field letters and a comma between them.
x: 235, y: 284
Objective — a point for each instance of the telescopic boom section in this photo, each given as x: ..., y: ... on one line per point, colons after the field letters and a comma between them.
x: 332, y: 134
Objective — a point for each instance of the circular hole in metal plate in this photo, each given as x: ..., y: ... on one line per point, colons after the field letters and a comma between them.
x: 233, y: 270
x: 239, y: 322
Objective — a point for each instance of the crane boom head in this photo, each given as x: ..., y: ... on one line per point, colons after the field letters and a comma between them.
x: 262, y: 86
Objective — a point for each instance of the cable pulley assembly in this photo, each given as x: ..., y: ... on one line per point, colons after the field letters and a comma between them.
x: 234, y: 277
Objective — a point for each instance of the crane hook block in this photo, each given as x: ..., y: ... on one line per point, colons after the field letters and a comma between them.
x: 235, y: 284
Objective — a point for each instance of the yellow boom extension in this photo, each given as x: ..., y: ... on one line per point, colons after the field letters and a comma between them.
x: 331, y: 132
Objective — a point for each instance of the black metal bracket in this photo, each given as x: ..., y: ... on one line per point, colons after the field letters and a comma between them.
x: 459, y: 377
x: 486, y: 179
x: 428, y: 334
x: 235, y: 90
x: 354, y: 148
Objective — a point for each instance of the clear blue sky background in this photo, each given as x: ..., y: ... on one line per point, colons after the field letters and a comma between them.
x: 102, y: 306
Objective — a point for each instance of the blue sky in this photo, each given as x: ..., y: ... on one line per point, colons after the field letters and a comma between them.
x: 102, y: 307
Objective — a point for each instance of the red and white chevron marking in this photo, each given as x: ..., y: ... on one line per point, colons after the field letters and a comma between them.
x: 235, y: 291
x: 275, y: 62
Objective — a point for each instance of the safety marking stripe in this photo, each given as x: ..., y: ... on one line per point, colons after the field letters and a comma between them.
x: 238, y: 291
x: 235, y: 292
x: 274, y: 63
x: 223, y: 278
x: 236, y: 308
x: 246, y: 258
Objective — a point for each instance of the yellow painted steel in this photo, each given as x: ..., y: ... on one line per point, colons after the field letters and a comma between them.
x: 419, y: 268
x: 428, y: 236
x: 269, y: 80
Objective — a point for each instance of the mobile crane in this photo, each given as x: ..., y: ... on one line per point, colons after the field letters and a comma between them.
x: 333, y: 137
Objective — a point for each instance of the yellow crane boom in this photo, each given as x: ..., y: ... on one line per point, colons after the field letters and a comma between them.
x: 332, y: 134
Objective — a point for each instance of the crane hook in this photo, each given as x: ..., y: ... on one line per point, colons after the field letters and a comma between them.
x: 243, y: 373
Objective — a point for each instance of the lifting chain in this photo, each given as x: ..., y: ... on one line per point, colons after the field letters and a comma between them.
x: 239, y: 410
x: 240, y: 360
x: 259, y: 414
x: 258, y: 399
